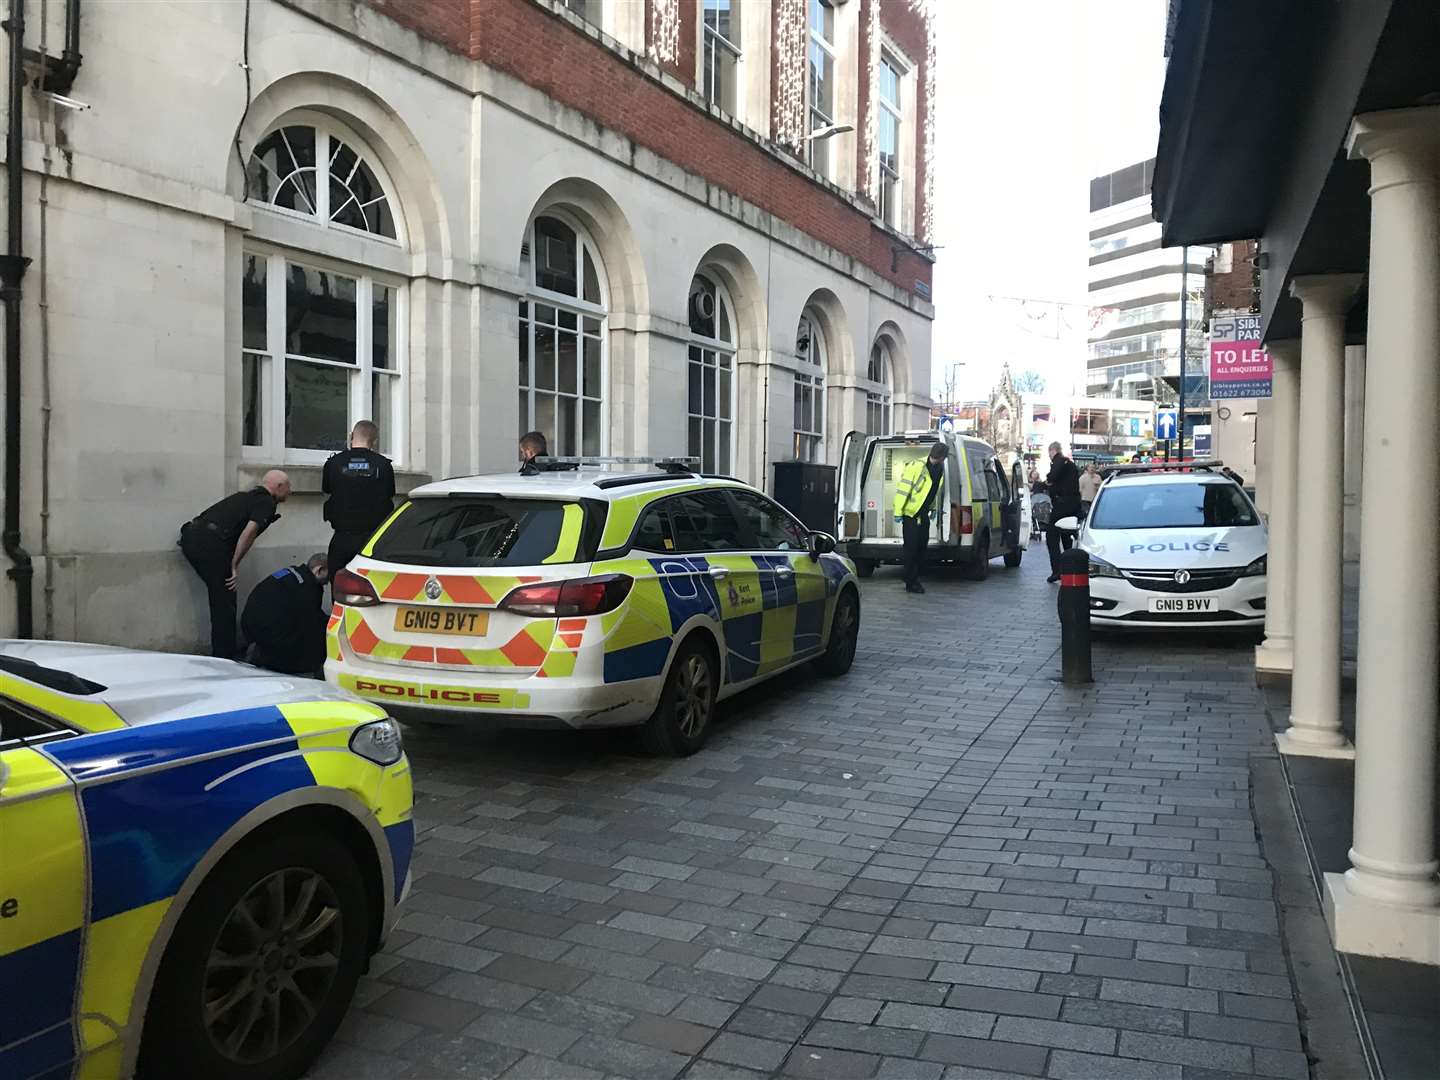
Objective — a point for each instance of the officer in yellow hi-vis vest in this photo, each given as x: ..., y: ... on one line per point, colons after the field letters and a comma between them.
x: 916, y: 492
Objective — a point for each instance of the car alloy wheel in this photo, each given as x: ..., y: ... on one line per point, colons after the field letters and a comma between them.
x: 693, y: 696
x: 272, y: 965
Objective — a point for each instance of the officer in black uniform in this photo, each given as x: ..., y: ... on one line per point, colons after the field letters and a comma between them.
x: 217, y: 541
x: 532, y: 446
x: 283, y: 619
x: 1064, y: 484
x: 361, y: 486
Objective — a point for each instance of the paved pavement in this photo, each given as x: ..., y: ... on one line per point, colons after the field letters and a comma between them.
x: 943, y: 865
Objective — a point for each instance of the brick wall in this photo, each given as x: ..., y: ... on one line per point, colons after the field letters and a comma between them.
x: 907, y: 28
x: 1238, y: 290
x: 526, y: 41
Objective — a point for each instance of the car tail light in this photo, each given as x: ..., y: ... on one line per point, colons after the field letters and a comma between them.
x: 352, y: 590
x: 967, y: 521
x: 564, y: 599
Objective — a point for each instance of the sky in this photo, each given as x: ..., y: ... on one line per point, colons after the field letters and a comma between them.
x: 1034, y: 97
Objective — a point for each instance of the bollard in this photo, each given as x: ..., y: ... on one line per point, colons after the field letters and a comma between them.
x: 1074, y: 607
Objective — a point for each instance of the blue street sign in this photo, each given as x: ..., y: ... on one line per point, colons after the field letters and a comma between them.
x: 947, y: 424
x: 1165, y: 421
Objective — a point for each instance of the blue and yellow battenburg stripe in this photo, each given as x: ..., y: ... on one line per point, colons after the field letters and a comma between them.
x: 152, y: 800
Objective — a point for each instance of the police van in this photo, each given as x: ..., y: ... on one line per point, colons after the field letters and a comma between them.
x: 980, y: 506
x: 585, y: 599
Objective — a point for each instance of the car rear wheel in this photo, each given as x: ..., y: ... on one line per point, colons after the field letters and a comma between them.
x: 1013, y: 556
x: 681, y: 721
x: 839, y: 653
x: 262, y: 964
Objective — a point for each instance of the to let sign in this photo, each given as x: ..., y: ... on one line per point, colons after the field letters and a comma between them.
x: 1239, y: 367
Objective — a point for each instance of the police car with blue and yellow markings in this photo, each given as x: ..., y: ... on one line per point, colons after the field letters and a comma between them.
x: 196, y: 862
x: 578, y: 599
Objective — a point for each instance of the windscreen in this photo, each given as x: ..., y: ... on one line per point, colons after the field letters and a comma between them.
x: 483, y: 531
x: 1172, y: 506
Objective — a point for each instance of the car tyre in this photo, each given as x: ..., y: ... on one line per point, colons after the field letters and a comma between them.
x: 839, y: 652
x: 680, y: 723
x: 262, y: 965
x: 864, y: 568
x: 1013, y: 557
x: 978, y: 569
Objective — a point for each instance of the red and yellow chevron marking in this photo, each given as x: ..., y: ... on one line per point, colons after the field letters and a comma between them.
x: 483, y: 591
x: 528, y: 648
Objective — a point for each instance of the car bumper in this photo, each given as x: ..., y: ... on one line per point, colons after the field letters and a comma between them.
x: 494, y: 699
x: 1116, y: 603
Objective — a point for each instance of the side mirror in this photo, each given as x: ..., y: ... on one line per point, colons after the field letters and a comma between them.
x: 1067, y: 524
x: 821, y: 543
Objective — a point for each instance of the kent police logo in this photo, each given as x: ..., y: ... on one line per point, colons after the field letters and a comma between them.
x: 734, y: 595
x: 432, y: 587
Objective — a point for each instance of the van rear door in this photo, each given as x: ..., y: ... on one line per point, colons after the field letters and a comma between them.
x: 852, y: 468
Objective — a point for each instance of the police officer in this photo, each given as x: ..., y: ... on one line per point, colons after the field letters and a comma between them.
x: 217, y: 541
x: 1064, y: 484
x: 532, y: 446
x: 915, y: 494
x: 284, y: 621
x: 360, y: 484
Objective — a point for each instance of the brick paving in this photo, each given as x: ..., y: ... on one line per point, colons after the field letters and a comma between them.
x: 941, y: 866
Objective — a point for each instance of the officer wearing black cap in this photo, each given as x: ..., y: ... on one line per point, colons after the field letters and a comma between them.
x: 361, y: 487
x: 284, y: 622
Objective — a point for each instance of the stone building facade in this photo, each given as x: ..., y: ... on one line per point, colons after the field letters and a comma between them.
x: 646, y: 228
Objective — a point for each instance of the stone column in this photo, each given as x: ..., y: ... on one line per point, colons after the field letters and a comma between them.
x: 1275, y: 657
x: 1319, y: 519
x: 1354, y: 441
x: 1388, y: 903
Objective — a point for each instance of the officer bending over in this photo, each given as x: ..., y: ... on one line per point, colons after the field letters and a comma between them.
x: 361, y: 486
x: 217, y: 541
x: 284, y: 621
x: 915, y: 494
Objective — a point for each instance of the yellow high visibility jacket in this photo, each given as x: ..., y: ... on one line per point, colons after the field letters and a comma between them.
x: 914, y: 485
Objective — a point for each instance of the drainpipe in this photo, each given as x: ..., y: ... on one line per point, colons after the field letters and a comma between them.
x: 12, y: 270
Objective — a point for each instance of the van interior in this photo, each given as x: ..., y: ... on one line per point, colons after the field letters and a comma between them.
x: 877, y: 491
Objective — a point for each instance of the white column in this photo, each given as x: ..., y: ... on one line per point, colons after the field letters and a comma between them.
x: 1274, y: 658
x: 1354, y: 442
x: 1388, y: 903
x: 1319, y: 519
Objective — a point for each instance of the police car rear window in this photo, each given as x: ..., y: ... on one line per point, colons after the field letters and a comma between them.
x: 488, y: 531
x: 1172, y: 506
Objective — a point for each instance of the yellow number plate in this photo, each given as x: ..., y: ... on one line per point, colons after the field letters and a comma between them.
x: 440, y: 620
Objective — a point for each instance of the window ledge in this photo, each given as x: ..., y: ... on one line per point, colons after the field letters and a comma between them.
x: 305, y: 479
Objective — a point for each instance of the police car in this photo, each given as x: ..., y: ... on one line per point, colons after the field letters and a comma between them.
x: 584, y: 599
x: 196, y: 862
x: 1175, y: 546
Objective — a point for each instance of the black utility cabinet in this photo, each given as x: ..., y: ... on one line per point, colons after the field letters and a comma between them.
x: 807, y: 490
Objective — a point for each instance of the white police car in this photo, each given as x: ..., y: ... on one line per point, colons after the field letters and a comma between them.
x: 1175, y: 547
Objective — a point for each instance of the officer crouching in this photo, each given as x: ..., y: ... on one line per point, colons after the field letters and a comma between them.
x: 283, y: 619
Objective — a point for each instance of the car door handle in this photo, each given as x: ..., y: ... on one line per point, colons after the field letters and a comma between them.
x: 718, y: 572
x: 784, y: 571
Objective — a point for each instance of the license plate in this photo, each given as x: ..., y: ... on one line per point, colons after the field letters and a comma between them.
x: 440, y: 620
x: 1183, y: 605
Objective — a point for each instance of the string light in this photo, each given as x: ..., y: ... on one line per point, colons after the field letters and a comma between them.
x: 792, y: 34
x: 665, y: 30
x: 871, y: 138
x: 926, y: 10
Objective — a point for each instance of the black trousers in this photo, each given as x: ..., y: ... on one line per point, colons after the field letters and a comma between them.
x: 915, y: 535
x: 210, y: 556
x: 344, y: 546
x: 1057, y: 540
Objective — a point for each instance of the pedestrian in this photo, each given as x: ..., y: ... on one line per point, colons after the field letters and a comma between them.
x: 915, y: 494
x: 1089, y: 488
x: 360, y: 483
x: 283, y: 619
x: 1064, y: 484
x: 216, y: 541
x: 532, y: 446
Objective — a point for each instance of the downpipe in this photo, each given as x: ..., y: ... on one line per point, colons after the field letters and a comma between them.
x: 12, y: 272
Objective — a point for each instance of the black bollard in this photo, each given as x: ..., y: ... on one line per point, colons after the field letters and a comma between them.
x: 1074, y: 607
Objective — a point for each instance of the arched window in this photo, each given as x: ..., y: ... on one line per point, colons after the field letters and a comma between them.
x: 711, y: 385
x: 562, y: 339
x: 323, y: 343
x: 877, y: 396
x: 809, y: 390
